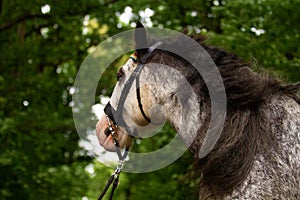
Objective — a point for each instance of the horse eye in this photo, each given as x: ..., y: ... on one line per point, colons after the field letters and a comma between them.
x: 120, y: 73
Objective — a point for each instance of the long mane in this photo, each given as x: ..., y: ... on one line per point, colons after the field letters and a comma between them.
x: 246, y: 132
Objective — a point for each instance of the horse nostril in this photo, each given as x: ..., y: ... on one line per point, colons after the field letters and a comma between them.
x: 107, y: 132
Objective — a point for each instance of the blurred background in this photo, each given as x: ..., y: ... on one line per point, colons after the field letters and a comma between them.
x: 44, y: 42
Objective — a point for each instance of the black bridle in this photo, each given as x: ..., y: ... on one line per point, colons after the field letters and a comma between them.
x: 115, y: 118
x: 116, y: 115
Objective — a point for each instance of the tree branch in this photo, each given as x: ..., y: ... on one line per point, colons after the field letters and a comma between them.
x: 21, y: 19
x: 47, y: 16
x: 0, y: 7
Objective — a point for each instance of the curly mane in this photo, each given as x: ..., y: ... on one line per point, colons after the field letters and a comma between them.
x: 246, y: 132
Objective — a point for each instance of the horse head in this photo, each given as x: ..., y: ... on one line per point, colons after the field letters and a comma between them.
x: 132, y: 109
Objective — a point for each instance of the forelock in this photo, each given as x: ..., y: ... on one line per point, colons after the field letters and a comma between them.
x: 129, y: 65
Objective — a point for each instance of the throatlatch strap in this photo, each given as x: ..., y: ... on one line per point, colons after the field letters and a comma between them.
x: 138, y: 96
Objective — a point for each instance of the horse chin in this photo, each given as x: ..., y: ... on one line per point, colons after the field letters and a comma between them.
x: 122, y: 138
x: 108, y: 144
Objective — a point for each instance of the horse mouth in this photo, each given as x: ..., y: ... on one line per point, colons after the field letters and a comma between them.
x: 108, y: 144
x: 105, y: 140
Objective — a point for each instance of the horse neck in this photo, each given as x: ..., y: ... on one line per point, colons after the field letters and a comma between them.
x: 175, y: 97
x: 258, y: 133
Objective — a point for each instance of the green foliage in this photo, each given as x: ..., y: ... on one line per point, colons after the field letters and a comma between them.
x: 173, y: 182
x: 41, y: 51
x: 267, y: 31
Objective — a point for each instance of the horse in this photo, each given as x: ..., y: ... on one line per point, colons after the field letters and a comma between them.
x: 258, y: 153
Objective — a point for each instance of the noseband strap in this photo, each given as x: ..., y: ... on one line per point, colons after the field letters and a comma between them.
x: 108, y: 110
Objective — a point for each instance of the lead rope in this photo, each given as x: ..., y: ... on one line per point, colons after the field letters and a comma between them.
x: 114, y: 178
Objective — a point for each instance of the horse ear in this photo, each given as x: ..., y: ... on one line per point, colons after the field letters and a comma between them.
x: 139, y: 25
x: 140, y: 38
